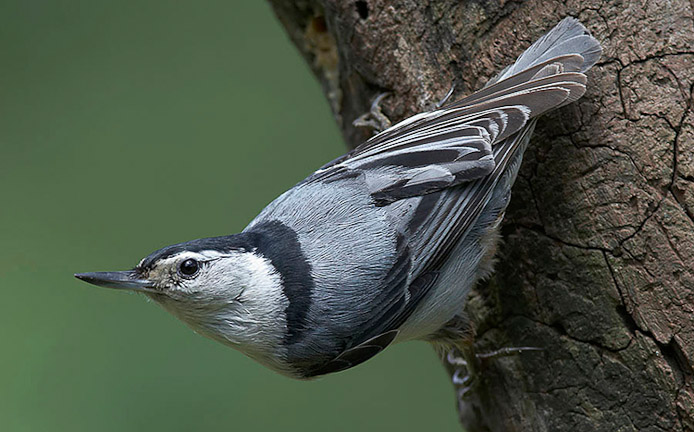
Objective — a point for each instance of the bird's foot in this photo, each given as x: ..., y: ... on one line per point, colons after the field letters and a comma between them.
x: 467, y: 366
x: 378, y: 121
x: 445, y: 99
x: 464, y: 376
x: 374, y: 119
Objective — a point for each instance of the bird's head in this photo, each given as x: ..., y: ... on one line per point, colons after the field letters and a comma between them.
x: 221, y: 287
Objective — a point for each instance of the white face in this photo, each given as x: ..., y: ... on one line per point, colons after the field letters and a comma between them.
x: 205, y: 276
x: 233, y: 297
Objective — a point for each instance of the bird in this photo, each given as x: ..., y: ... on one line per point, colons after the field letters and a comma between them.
x: 383, y: 244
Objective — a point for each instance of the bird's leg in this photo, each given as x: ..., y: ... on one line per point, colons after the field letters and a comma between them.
x: 375, y: 118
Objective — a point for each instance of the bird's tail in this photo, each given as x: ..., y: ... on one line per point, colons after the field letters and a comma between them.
x: 476, y: 137
x: 568, y: 38
x: 549, y: 74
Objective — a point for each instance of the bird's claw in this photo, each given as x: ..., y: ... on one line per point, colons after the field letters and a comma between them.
x: 464, y: 375
x: 461, y: 381
x: 378, y: 121
x: 374, y: 119
x: 446, y: 97
x: 455, y: 361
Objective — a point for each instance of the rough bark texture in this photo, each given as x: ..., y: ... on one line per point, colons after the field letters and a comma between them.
x: 597, y: 264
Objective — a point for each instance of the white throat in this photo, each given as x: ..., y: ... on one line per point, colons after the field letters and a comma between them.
x: 238, y: 301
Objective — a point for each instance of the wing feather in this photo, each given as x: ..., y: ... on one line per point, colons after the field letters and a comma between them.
x: 473, y: 142
x: 454, y: 145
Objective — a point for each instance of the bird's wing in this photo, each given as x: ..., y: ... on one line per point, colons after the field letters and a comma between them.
x: 455, y: 144
x: 549, y: 74
x: 443, y: 218
x: 356, y: 355
x: 471, y: 141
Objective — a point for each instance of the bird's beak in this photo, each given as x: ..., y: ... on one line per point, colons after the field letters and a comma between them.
x: 127, y: 280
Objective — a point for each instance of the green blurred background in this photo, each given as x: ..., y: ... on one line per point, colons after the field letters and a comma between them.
x: 126, y: 126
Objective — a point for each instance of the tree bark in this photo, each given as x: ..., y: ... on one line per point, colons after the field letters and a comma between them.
x: 597, y: 263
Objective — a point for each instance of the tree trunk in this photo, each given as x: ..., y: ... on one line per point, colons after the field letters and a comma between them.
x: 597, y: 263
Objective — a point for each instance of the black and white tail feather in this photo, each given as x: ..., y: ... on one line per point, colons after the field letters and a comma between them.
x: 461, y: 142
x: 471, y: 142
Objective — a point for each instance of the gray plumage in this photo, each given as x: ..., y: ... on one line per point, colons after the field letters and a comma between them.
x: 381, y: 245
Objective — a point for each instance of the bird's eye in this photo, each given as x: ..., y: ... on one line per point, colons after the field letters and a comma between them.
x: 189, y: 267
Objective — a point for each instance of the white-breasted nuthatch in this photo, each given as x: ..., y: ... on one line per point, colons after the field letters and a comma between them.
x: 381, y: 245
